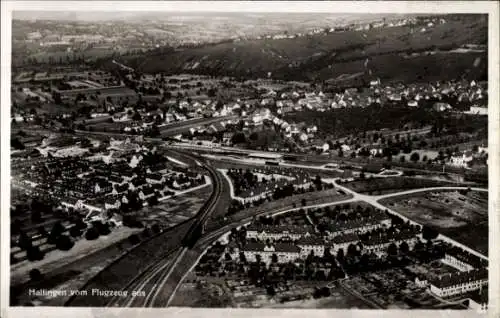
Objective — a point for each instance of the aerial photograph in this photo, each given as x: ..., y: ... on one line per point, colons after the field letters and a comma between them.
x: 249, y: 160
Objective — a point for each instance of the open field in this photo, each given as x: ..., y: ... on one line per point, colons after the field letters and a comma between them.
x: 463, y: 217
x: 64, y: 270
x: 378, y: 186
x: 176, y: 209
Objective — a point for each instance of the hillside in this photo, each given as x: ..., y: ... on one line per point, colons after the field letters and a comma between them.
x: 402, y: 53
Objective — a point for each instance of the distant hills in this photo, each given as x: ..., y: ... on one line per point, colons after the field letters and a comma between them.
x: 403, y: 53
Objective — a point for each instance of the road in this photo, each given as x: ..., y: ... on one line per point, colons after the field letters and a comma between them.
x: 373, y: 200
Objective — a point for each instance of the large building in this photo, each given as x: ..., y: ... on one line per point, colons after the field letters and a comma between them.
x: 285, y: 252
x: 359, y: 226
x: 308, y: 244
x: 459, y: 283
x: 278, y: 232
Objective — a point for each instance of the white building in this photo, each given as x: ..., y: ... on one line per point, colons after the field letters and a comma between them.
x: 285, y: 252
x: 459, y: 283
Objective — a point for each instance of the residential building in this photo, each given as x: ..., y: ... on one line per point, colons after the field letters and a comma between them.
x: 459, y: 283
x: 308, y: 244
x: 285, y: 252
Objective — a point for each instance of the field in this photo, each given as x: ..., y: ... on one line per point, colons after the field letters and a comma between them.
x: 69, y: 270
x: 463, y: 217
x: 327, y: 56
x: 378, y: 186
x: 176, y: 209
x: 339, y: 299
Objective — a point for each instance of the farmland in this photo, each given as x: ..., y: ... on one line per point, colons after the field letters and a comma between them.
x: 463, y: 217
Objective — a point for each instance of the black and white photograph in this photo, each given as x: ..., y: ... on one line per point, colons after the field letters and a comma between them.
x: 247, y: 159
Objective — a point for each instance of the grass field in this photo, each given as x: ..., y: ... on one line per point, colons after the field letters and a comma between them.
x: 56, y: 259
x: 377, y: 186
x: 176, y: 209
x: 461, y: 217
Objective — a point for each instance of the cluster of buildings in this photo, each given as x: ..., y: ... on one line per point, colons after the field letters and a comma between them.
x: 289, y: 243
x: 467, y: 158
x: 104, y: 180
x: 265, y: 182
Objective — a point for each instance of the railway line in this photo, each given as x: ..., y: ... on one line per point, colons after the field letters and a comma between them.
x: 156, y: 285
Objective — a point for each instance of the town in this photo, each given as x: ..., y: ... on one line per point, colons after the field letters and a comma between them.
x: 363, y: 187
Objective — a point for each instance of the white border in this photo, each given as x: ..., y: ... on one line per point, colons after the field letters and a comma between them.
x: 427, y: 7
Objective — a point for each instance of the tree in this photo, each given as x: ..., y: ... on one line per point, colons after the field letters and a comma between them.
x: 404, y: 248
x: 16, y: 144
x: 238, y: 138
x: 134, y: 239
x: 34, y: 254
x: 274, y: 258
x: 415, y: 157
x: 270, y: 290
x: 102, y: 228
x: 429, y: 233
x: 340, y: 255
x: 303, y: 202
x: 75, y: 231
x: 57, y: 230
x: 92, y: 234
x: 211, y: 92
x: 24, y: 241
x: 137, y: 116
x: 156, y: 228
x: 36, y: 216
x: 243, y: 258
x: 402, y: 159
x: 258, y: 258
x: 227, y: 257
x: 35, y: 275
x: 146, y: 232
x: 392, y: 249
x: 64, y: 243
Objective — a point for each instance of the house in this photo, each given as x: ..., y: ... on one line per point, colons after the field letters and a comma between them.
x: 413, y: 103
x: 459, y: 283
x: 285, y: 252
x: 128, y: 175
x: 308, y: 244
x: 155, y: 178
x: 462, y: 260
x: 342, y: 241
x: 353, y: 226
x: 70, y: 203
x: 278, y: 232
x: 112, y: 202
x: 120, y: 188
x: 441, y: 107
x: 146, y: 193
x: 478, y: 110
x: 461, y: 161
x: 116, y: 180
